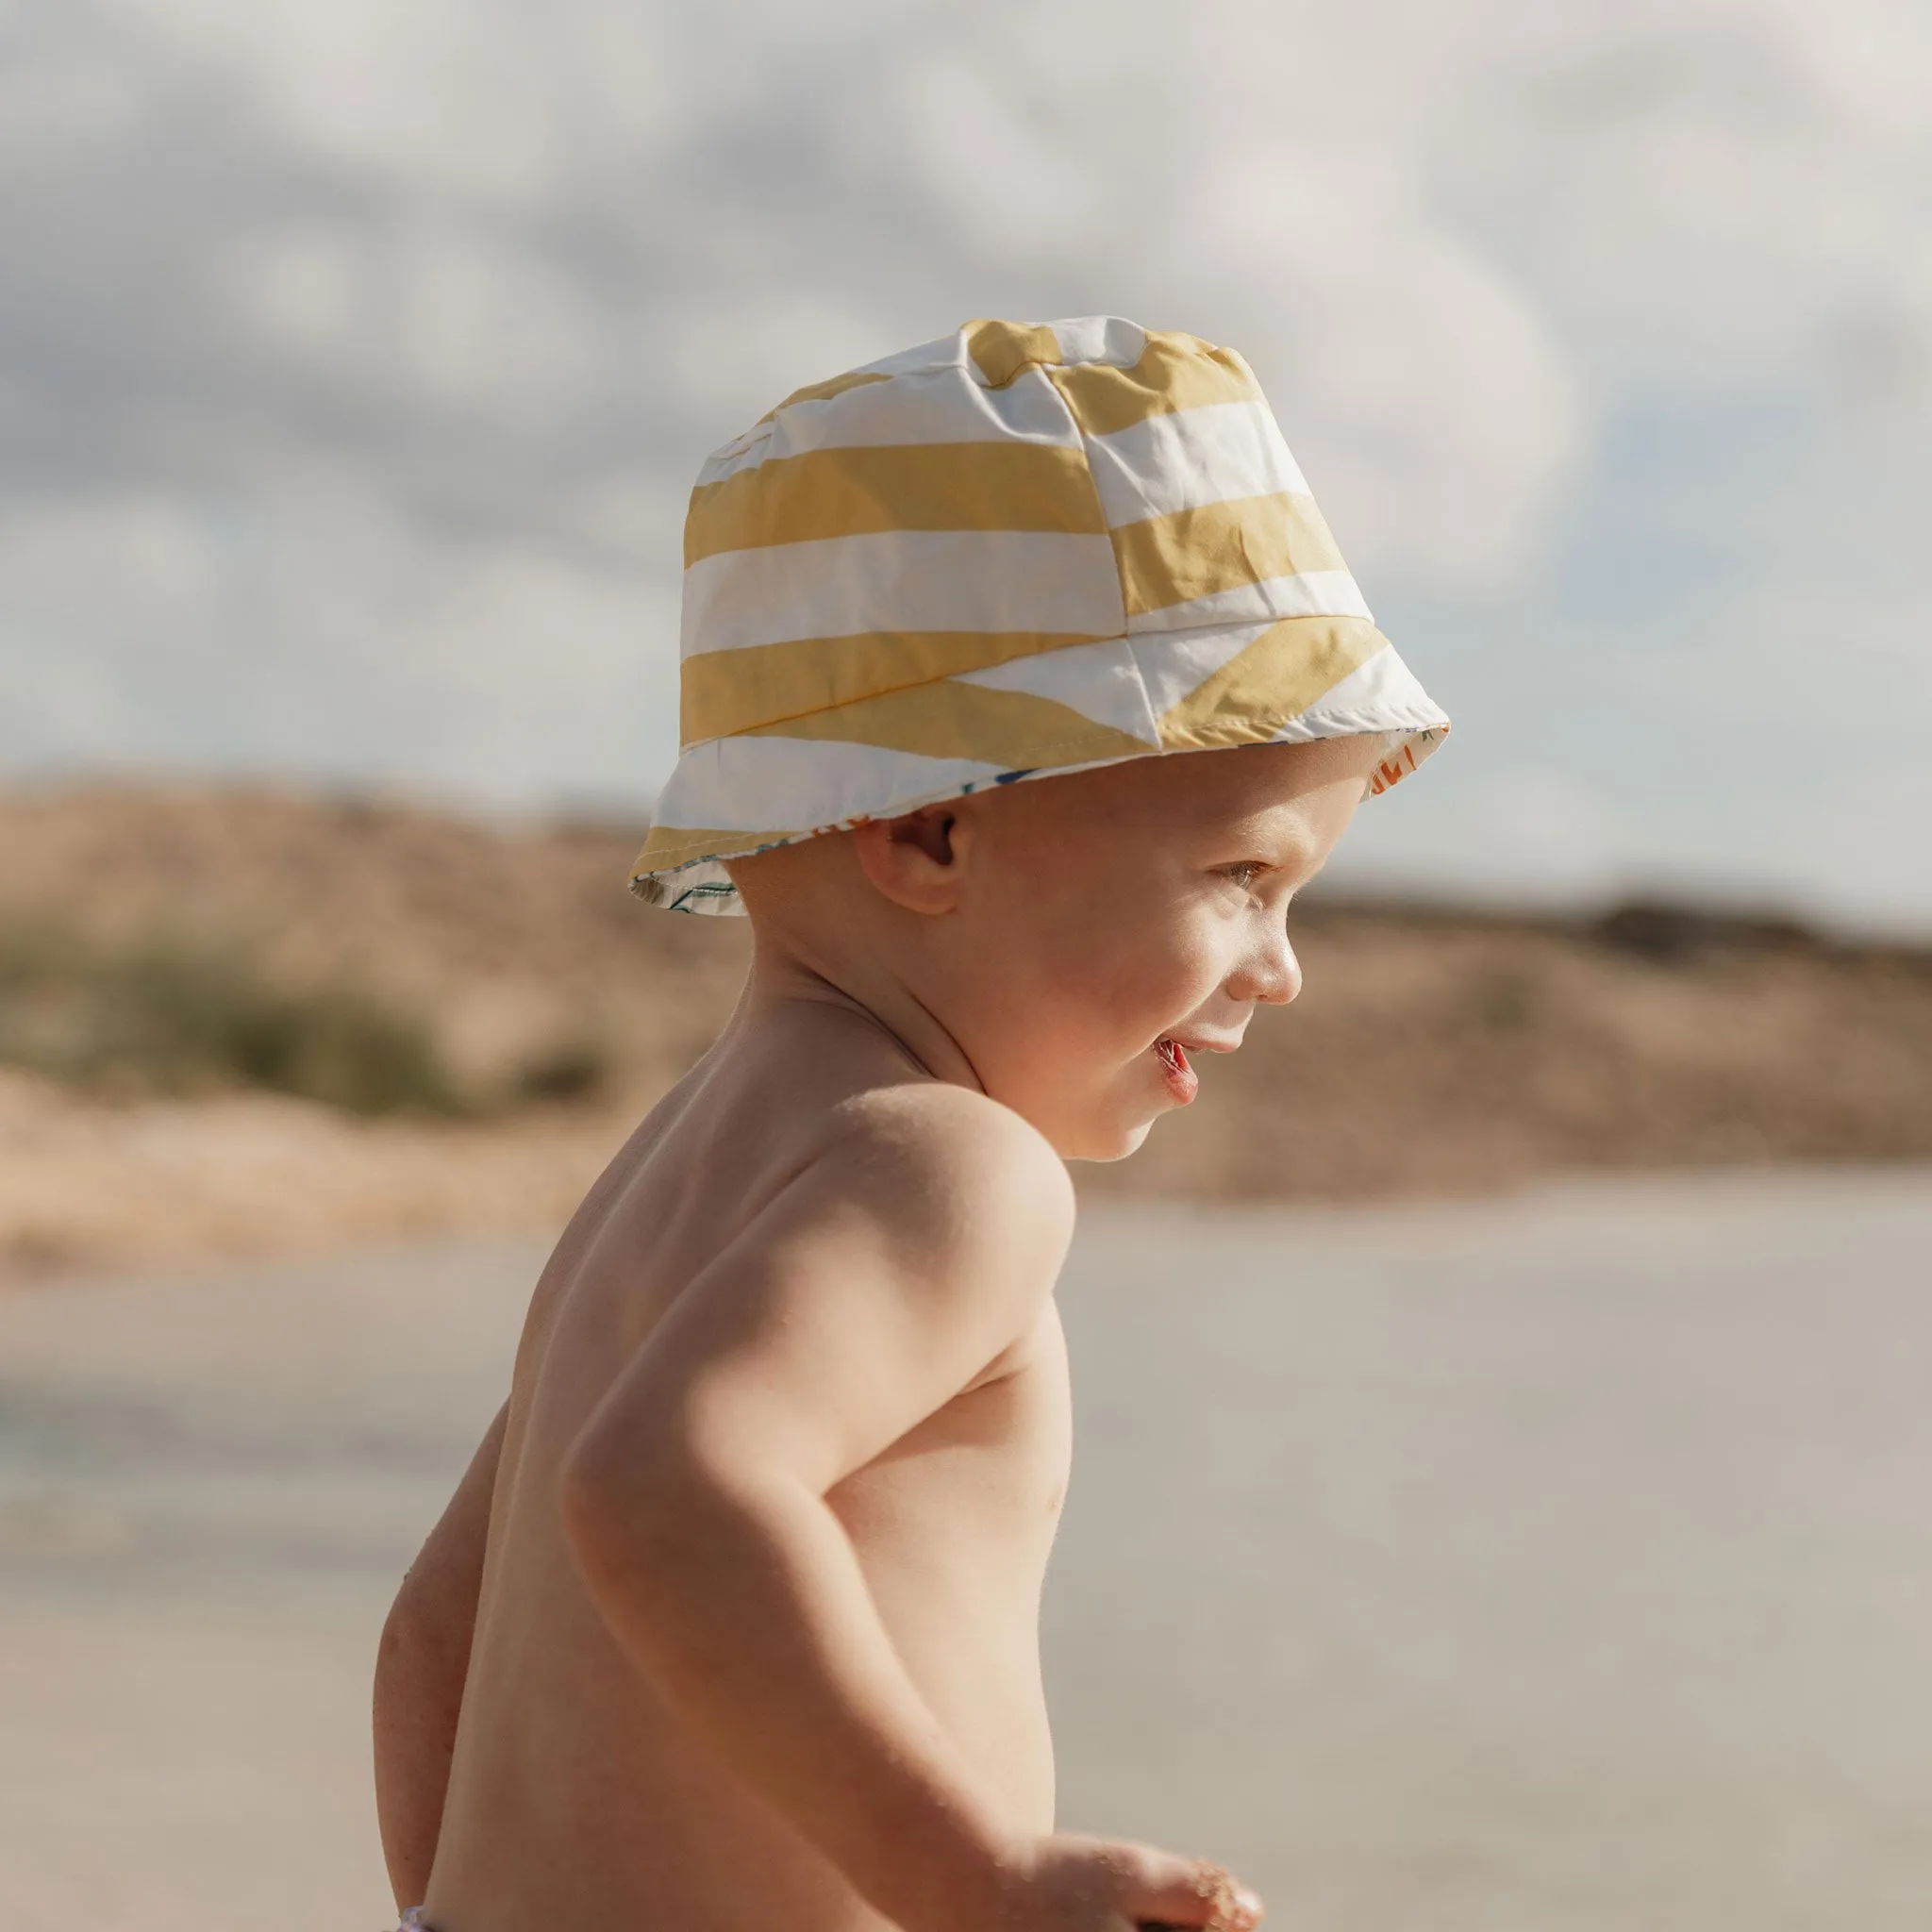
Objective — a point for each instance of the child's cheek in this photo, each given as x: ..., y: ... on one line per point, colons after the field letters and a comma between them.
x: 1136, y: 964
x: 1205, y: 954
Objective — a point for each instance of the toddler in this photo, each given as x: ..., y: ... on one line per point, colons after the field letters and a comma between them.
x: 1023, y: 687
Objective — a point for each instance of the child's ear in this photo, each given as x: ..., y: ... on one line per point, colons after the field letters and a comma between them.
x: 915, y: 861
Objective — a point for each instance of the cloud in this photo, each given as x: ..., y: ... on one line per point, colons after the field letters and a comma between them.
x: 498, y: 105
x: 357, y: 358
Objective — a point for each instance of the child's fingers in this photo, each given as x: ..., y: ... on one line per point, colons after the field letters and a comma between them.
x: 1162, y: 1890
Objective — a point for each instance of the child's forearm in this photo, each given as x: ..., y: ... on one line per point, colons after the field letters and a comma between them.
x: 744, y: 1600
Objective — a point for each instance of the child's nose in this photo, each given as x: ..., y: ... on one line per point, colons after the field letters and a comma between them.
x: 1271, y: 973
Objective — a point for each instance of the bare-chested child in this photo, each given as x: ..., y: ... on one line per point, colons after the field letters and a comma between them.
x: 732, y: 1625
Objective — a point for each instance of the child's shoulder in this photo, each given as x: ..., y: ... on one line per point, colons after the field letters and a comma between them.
x: 947, y: 1134
x: 943, y: 1165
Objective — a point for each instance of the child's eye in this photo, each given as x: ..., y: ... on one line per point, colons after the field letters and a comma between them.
x: 1245, y: 873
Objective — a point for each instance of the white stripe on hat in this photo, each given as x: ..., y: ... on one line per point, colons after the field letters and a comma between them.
x: 1188, y: 458
x: 1108, y: 338
x: 762, y: 783
x: 902, y: 580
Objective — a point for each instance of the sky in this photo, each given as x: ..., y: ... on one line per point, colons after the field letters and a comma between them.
x: 356, y: 360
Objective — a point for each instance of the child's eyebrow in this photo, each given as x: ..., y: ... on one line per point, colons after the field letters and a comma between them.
x: 1262, y: 833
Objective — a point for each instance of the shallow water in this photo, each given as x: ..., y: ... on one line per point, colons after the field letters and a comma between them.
x: 1560, y: 1562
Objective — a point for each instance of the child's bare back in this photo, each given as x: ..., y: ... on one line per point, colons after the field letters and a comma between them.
x: 732, y: 1625
x: 725, y: 1195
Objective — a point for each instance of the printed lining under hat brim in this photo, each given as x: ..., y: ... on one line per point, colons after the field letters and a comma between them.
x: 1211, y: 688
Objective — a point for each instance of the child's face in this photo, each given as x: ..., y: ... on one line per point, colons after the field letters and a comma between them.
x: 1115, y: 924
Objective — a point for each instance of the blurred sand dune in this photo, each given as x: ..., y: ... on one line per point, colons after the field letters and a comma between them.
x: 84, y: 1184
x: 501, y: 1011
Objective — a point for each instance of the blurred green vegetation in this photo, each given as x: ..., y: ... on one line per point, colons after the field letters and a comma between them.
x: 179, y: 1019
x: 570, y: 1070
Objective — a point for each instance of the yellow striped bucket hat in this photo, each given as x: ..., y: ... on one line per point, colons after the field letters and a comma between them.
x: 1018, y: 551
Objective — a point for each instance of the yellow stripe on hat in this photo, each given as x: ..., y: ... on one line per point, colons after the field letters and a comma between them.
x: 669, y: 846
x: 852, y: 492
x: 1000, y: 349
x: 1175, y: 371
x: 724, y: 692
x: 1013, y: 729
x: 1221, y: 546
x: 1273, y: 680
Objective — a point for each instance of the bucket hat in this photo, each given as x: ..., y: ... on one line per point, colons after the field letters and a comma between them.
x: 1015, y: 552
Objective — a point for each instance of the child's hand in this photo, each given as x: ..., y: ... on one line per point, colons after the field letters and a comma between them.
x: 1110, y: 1885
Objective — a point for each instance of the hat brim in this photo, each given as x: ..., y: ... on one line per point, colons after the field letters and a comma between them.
x: 1149, y: 695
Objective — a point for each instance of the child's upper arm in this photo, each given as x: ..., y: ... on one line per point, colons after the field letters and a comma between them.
x: 921, y: 1243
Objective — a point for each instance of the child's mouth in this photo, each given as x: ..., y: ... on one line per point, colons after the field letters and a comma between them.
x: 1182, y: 1080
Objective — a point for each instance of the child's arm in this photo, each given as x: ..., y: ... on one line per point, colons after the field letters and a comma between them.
x: 876, y: 1288
x: 420, y: 1668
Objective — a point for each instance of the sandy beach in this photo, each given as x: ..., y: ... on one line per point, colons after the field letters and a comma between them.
x: 1560, y: 1561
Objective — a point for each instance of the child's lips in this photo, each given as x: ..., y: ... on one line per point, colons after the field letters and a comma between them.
x: 1182, y: 1080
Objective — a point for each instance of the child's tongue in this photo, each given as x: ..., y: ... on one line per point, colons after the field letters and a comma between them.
x: 1174, y: 1054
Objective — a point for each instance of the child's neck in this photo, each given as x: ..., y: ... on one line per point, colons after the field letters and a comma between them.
x: 862, y: 983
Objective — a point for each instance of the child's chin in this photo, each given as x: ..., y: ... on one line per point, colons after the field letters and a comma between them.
x: 1109, y: 1141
